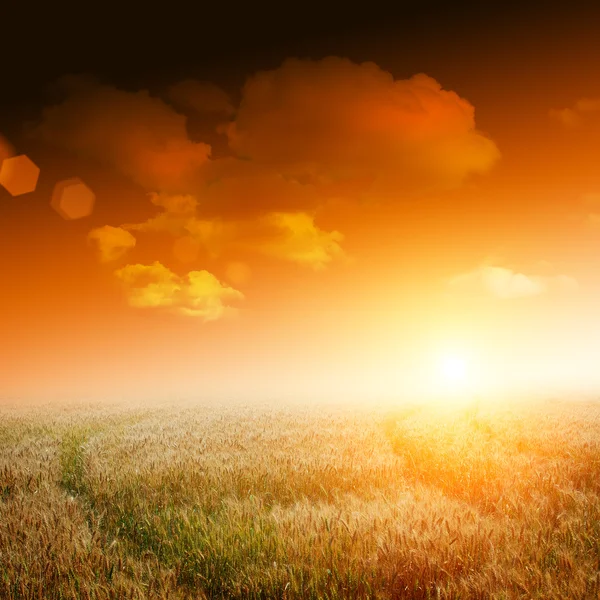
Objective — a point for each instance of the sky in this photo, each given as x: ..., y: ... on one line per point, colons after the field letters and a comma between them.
x: 241, y: 203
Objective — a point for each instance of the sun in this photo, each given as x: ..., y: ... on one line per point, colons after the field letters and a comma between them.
x: 454, y: 369
x: 454, y: 372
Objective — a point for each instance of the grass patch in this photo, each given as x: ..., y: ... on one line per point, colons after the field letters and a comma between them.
x: 72, y: 461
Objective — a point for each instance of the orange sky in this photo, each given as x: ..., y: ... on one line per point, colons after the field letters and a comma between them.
x: 338, y: 222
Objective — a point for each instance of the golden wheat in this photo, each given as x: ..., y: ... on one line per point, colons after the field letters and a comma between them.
x: 204, y: 501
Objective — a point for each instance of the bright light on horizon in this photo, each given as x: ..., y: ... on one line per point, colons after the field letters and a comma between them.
x: 454, y: 374
x: 454, y: 368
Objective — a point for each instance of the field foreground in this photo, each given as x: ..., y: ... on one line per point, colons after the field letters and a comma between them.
x: 237, y: 501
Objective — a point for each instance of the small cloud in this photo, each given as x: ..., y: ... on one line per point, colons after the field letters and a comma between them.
x: 200, y: 97
x: 178, y: 210
x: 112, y: 242
x: 588, y: 105
x: 198, y: 294
x: 503, y: 283
x: 296, y: 238
x: 179, y: 204
x: 149, y: 285
x: 572, y: 118
x: 206, y: 296
x: 567, y: 117
x: 292, y: 237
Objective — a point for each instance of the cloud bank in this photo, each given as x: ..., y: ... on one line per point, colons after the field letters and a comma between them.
x: 304, y: 133
x: 333, y: 119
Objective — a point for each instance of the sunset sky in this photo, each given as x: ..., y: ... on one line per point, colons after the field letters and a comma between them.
x: 316, y: 206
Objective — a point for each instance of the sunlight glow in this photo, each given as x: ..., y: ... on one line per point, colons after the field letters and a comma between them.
x: 455, y: 376
x: 454, y: 368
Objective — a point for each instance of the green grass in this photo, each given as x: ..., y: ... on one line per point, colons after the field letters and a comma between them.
x: 72, y: 461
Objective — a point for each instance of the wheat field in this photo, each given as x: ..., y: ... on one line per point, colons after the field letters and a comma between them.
x: 496, y: 500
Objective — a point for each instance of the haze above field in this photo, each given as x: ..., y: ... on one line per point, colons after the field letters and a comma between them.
x: 388, y: 204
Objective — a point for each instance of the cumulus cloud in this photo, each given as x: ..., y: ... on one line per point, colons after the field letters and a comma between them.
x: 573, y: 117
x: 292, y: 237
x: 139, y: 135
x: 309, y: 128
x: 503, y: 283
x: 200, y: 97
x: 295, y: 237
x: 334, y: 119
x: 112, y: 242
x: 198, y: 294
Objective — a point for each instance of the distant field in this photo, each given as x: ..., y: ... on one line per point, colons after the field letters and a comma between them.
x: 315, y: 502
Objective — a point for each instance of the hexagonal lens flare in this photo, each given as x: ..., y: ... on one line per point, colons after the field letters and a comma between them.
x: 72, y: 199
x: 19, y: 175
